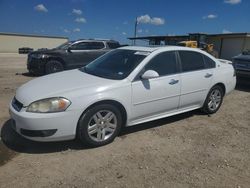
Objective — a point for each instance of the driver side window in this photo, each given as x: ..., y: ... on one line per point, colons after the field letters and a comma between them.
x: 81, y: 46
x: 163, y: 63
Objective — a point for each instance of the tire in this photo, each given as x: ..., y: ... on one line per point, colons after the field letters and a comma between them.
x: 94, y: 129
x: 214, y: 100
x: 53, y: 66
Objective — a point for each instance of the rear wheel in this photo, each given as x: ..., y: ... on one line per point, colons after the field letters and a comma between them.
x: 53, y: 66
x: 214, y: 100
x: 99, y: 125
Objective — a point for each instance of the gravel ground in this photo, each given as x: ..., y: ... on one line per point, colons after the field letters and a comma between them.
x: 187, y: 150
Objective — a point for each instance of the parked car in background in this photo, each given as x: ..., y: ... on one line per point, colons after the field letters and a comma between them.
x: 241, y: 64
x: 70, y: 55
x: 124, y: 87
x: 25, y: 50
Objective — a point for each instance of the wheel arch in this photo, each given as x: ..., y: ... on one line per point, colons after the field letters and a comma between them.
x: 117, y: 104
x: 223, y: 87
x: 56, y: 59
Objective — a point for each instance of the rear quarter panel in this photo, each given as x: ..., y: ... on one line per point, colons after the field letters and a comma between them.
x: 224, y: 73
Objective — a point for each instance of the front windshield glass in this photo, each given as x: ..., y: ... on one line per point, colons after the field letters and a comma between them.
x: 117, y: 64
x: 64, y: 46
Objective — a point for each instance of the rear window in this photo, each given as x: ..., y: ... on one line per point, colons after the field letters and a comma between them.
x: 113, y: 45
x: 209, y: 63
x: 96, y: 45
x: 191, y: 61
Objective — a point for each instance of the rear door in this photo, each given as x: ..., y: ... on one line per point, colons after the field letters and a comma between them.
x: 196, y: 79
x: 96, y: 49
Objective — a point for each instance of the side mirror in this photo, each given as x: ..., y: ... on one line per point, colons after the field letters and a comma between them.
x: 149, y: 74
x: 69, y: 49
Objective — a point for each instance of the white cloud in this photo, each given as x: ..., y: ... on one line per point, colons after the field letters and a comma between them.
x: 66, y: 31
x: 77, y: 30
x: 146, y: 19
x: 210, y: 16
x: 124, y: 33
x: 41, y: 8
x: 80, y: 20
x: 232, y: 2
x: 225, y: 31
x: 77, y: 11
x: 157, y: 21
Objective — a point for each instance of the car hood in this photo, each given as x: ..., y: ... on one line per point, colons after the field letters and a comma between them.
x: 48, y: 51
x: 242, y: 58
x: 60, y: 85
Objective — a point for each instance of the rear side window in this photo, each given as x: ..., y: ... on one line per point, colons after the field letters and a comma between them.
x: 191, y: 61
x: 163, y: 64
x: 209, y: 63
x: 88, y: 46
x: 113, y: 45
x: 96, y: 45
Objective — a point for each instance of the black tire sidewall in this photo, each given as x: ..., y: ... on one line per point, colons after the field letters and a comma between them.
x: 205, y: 106
x: 82, y: 129
x: 50, y: 63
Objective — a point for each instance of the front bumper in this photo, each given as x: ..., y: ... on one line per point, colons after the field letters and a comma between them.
x: 35, y: 65
x: 45, y: 127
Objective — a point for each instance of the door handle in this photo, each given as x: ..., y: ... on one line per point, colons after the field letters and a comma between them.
x: 173, y: 81
x: 208, y: 75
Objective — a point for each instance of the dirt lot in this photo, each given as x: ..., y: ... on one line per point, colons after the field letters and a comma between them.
x: 188, y: 150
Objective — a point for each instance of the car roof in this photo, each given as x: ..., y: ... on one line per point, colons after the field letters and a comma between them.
x: 156, y: 48
x: 95, y: 40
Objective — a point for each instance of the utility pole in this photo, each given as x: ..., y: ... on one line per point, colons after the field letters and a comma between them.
x: 135, y: 32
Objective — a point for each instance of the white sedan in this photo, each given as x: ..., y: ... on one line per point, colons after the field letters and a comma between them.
x: 124, y: 87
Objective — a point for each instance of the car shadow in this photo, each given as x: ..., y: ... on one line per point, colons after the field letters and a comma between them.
x: 17, y: 143
x: 27, y: 74
x: 243, y: 84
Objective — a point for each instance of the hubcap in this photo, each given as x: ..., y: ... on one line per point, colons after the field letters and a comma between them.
x: 102, y: 125
x: 55, y: 68
x: 214, y: 100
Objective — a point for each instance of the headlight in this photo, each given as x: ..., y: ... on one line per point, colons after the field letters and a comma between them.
x: 56, y: 104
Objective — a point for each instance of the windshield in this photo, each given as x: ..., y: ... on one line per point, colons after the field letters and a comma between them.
x: 64, y: 46
x: 117, y: 64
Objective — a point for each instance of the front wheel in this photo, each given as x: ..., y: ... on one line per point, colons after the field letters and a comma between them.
x: 53, y: 66
x: 214, y: 100
x: 99, y: 125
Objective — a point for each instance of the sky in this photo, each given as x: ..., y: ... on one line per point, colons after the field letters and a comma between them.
x: 115, y: 19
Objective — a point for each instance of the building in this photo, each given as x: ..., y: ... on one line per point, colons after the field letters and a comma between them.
x: 227, y: 45
x: 10, y: 42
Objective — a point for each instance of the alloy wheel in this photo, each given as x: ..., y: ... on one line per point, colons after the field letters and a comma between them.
x: 214, y: 100
x: 102, y: 125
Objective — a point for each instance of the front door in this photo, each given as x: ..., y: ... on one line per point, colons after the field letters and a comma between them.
x: 82, y: 53
x: 158, y: 95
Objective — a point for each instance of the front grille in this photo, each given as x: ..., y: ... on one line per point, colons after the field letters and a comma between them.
x: 29, y: 59
x: 17, y: 105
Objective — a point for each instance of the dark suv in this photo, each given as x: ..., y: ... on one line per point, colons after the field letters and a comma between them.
x: 70, y: 55
x: 241, y: 64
